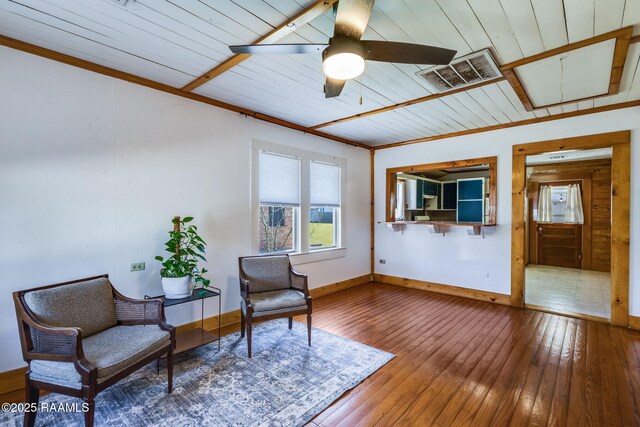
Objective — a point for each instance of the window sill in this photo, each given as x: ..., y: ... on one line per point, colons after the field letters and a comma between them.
x: 317, y: 255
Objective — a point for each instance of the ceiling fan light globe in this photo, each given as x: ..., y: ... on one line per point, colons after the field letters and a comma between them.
x: 343, y: 66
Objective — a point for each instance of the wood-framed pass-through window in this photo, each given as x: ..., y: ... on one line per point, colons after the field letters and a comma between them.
x: 454, y: 192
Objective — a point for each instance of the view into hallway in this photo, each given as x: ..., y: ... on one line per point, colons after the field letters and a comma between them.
x: 569, y: 290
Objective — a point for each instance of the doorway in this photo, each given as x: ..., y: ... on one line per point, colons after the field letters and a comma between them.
x: 559, y: 274
x: 570, y: 281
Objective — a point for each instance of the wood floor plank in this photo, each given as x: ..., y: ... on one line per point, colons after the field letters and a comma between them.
x: 462, y: 362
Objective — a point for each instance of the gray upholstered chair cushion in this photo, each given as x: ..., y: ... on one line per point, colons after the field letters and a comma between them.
x: 277, y: 300
x: 257, y: 314
x: 267, y: 273
x: 111, y: 351
x: 86, y: 305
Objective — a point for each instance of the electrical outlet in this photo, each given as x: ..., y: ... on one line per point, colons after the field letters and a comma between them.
x: 383, y: 261
x: 483, y: 274
x: 137, y: 266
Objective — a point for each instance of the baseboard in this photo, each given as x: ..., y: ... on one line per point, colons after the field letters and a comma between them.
x: 12, y: 382
x: 634, y: 322
x: 233, y: 317
x: 210, y: 323
x: 340, y: 286
x: 444, y: 289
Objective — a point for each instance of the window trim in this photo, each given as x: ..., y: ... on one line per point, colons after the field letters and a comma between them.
x: 302, y: 243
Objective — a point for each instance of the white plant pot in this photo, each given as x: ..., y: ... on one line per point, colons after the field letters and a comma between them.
x: 177, y: 287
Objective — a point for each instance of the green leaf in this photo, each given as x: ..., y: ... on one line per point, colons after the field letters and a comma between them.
x: 187, y: 219
x: 159, y: 258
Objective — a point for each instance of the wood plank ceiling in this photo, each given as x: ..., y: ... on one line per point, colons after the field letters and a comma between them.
x: 174, y: 42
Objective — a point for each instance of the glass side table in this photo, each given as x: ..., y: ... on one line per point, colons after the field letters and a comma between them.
x: 199, y: 336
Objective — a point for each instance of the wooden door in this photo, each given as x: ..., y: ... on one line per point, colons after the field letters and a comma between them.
x: 560, y: 245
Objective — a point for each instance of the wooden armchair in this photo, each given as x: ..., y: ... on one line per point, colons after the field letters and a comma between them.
x: 83, y: 336
x: 270, y: 288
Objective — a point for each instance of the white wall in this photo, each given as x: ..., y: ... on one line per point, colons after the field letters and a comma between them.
x: 462, y: 260
x: 92, y: 169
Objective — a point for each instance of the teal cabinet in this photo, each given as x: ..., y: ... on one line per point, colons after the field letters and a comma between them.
x: 470, y: 205
x: 431, y: 188
x: 419, y: 194
x: 449, y: 195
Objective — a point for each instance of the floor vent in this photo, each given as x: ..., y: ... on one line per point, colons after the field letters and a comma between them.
x: 467, y: 70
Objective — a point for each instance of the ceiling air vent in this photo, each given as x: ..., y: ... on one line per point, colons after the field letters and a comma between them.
x: 465, y: 71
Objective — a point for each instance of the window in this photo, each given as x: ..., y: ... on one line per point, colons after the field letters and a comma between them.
x: 324, y: 202
x: 298, y: 201
x: 279, y: 189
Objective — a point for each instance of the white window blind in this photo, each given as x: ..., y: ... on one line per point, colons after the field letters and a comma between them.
x: 279, y: 179
x: 325, y: 184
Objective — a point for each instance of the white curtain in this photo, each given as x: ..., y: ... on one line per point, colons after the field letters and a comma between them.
x: 545, y: 208
x: 400, y: 201
x: 574, y: 213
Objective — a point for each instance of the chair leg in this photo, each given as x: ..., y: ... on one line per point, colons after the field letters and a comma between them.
x: 170, y: 370
x: 32, y: 396
x: 242, y: 323
x: 290, y: 322
x: 309, y: 328
x: 90, y: 413
x: 249, y: 328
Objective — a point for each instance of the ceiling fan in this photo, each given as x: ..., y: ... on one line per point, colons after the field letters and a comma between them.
x: 343, y: 58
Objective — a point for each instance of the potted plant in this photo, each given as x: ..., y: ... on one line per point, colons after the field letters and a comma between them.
x: 180, y: 272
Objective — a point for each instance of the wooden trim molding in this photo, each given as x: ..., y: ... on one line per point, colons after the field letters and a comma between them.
x: 567, y: 314
x: 634, y: 322
x: 332, y: 288
x: 121, y: 75
x: 620, y: 213
x: 444, y: 289
x: 601, y: 109
x: 620, y: 232
x: 586, y: 142
x: 407, y: 103
x: 12, y: 384
x: 621, y: 33
x: 284, y: 29
x: 623, y: 38
x: 372, y: 159
x: 392, y: 180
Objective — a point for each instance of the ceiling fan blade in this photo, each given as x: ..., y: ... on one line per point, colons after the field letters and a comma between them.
x: 332, y: 87
x: 406, y: 53
x: 352, y: 17
x: 253, y: 49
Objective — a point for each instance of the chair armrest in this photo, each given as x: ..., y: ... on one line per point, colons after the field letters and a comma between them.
x: 245, y: 290
x: 53, y: 343
x: 130, y: 311
x: 300, y: 282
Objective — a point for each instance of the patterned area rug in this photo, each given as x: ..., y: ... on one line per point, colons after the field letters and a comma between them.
x: 285, y: 383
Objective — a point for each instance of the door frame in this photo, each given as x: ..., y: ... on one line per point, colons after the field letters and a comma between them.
x: 620, y: 142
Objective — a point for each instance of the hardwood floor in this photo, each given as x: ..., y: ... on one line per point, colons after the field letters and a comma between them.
x: 463, y: 362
